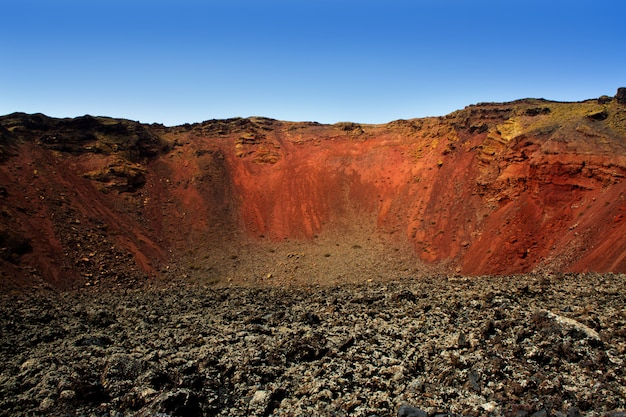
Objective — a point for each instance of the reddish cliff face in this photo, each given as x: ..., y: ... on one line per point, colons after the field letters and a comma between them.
x: 492, y: 189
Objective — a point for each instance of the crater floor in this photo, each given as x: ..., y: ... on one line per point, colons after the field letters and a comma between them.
x: 515, y: 345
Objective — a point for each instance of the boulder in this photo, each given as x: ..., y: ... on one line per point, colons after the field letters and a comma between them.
x: 620, y: 97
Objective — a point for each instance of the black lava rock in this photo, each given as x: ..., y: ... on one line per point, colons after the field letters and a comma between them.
x: 410, y: 411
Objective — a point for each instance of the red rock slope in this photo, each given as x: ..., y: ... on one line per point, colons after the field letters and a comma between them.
x: 501, y: 188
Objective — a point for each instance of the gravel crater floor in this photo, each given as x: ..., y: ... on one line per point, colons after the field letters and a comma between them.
x: 544, y: 344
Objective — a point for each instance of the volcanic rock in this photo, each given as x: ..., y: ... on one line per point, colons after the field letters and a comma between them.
x: 193, y: 350
x: 495, y: 188
x: 409, y: 411
x: 620, y: 97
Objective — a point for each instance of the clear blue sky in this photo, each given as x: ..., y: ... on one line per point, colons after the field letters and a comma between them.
x: 324, y: 60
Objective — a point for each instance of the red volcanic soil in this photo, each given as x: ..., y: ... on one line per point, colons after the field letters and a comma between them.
x: 527, y: 186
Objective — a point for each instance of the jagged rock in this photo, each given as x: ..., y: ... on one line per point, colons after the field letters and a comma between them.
x: 410, y: 411
x: 620, y: 97
x: 238, y: 351
x: 598, y: 115
x: 93, y: 340
x: 573, y: 412
x: 573, y: 324
x: 179, y: 402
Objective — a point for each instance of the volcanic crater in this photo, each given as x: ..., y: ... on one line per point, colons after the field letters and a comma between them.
x: 470, y: 264
x: 496, y: 188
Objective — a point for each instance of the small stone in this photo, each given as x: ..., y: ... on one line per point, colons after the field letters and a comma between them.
x: 410, y: 411
x: 177, y: 402
x: 312, y: 319
x: 67, y: 395
x: 147, y: 392
x: 473, y: 379
x: 573, y: 412
x: 29, y: 364
x: 462, y: 341
x: 490, y: 406
x: 46, y: 404
x: 260, y: 397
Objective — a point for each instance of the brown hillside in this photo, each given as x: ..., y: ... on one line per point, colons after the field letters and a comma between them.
x: 501, y: 188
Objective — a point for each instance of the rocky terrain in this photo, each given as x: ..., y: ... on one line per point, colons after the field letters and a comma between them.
x: 542, y: 345
x: 471, y: 264
x: 496, y: 188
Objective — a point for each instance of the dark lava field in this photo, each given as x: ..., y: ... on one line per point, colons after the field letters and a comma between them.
x: 542, y: 345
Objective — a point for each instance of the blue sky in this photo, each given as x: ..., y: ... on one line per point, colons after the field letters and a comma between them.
x: 364, y: 61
